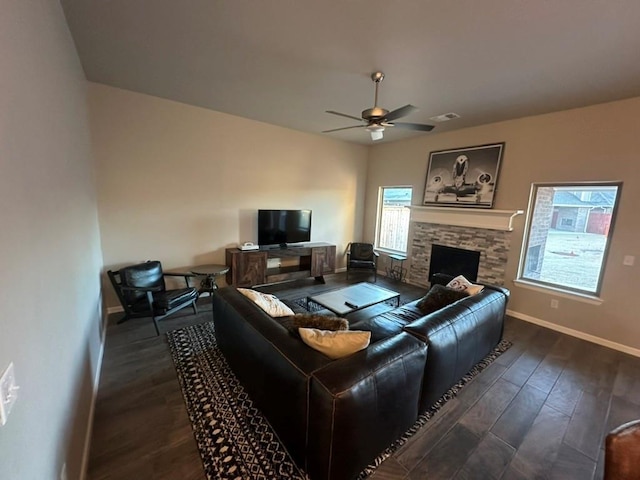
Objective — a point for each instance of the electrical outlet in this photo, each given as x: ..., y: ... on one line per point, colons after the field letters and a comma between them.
x: 8, y: 393
x: 554, y: 303
x: 629, y: 260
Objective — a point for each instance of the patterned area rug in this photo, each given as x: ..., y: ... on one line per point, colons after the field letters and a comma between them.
x: 234, y: 439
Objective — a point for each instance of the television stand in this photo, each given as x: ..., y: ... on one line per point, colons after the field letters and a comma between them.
x: 249, y: 268
x: 283, y: 246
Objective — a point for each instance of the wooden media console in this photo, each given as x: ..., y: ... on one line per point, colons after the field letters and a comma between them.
x: 249, y: 268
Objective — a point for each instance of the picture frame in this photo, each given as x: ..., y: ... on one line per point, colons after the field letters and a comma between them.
x: 463, y: 177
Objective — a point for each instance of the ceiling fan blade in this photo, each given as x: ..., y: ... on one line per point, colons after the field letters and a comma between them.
x: 343, y: 128
x: 345, y: 115
x: 420, y: 127
x: 400, y: 112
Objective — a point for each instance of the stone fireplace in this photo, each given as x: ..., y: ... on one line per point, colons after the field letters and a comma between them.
x: 484, y: 231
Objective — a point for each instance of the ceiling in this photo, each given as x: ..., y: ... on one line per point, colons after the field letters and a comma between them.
x: 285, y: 62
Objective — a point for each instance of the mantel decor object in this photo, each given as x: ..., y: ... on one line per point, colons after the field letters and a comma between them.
x: 463, y: 177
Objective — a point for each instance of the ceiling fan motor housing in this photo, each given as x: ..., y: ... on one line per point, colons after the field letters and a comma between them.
x: 375, y: 113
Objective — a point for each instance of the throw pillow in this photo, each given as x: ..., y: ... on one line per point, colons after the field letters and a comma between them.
x: 439, y: 297
x: 321, y: 322
x: 335, y: 344
x: 461, y: 283
x: 267, y: 302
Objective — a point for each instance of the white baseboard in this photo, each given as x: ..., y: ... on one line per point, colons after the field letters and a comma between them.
x: 576, y: 333
x: 92, y: 408
x: 117, y: 309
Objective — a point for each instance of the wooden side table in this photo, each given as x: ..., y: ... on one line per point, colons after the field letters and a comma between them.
x: 210, y: 272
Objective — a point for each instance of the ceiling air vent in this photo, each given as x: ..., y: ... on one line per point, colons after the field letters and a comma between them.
x: 445, y: 117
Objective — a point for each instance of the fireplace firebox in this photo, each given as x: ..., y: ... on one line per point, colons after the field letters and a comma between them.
x: 454, y: 261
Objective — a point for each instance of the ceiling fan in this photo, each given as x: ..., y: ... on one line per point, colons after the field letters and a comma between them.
x: 376, y: 119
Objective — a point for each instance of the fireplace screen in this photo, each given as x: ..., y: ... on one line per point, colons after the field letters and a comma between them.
x: 454, y: 261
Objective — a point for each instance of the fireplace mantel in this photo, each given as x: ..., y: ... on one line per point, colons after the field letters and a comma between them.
x: 465, y: 217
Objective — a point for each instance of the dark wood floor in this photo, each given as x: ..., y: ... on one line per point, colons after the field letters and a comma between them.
x: 541, y: 410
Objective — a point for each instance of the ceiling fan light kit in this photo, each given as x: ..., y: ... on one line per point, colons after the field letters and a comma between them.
x: 376, y: 135
x: 376, y: 118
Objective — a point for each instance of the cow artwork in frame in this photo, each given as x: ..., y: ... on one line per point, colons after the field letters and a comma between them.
x: 463, y: 177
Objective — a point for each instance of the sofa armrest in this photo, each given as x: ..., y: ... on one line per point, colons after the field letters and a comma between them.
x: 362, y: 403
x: 502, y: 290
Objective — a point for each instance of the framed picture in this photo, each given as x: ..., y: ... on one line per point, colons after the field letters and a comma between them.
x: 463, y: 177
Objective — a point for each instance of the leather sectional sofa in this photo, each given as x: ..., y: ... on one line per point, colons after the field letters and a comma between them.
x: 336, y: 416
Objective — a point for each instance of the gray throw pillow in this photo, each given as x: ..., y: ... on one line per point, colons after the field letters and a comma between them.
x: 439, y: 297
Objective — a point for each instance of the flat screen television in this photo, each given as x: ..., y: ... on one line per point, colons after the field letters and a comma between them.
x: 281, y: 227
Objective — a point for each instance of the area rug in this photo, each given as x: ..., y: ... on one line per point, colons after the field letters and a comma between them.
x: 234, y: 439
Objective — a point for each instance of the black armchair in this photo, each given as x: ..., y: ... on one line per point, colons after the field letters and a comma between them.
x: 142, y: 292
x: 361, y: 256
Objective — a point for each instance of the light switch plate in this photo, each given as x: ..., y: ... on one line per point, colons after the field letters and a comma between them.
x: 629, y: 260
x: 8, y: 393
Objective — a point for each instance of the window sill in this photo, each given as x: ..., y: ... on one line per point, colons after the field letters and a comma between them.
x: 579, y: 297
x: 387, y: 251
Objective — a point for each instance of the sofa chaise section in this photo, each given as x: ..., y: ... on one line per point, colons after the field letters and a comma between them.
x: 359, y: 406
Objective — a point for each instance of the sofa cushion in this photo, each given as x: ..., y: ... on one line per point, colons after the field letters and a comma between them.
x: 269, y: 303
x: 336, y: 344
x: 380, y: 328
x: 389, y: 323
x: 439, y: 297
x: 460, y: 283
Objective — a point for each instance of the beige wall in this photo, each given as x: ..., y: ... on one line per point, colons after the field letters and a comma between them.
x: 49, y: 244
x: 595, y: 143
x: 179, y: 183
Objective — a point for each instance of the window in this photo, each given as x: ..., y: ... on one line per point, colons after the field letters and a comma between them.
x: 568, y: 231
x: 393, y: 219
